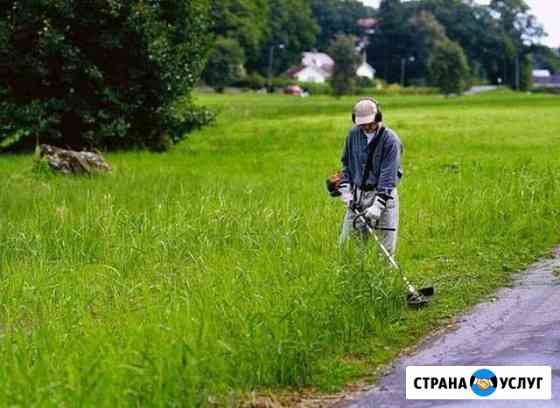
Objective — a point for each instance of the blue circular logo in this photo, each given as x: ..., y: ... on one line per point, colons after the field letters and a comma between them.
x: 484, y: 382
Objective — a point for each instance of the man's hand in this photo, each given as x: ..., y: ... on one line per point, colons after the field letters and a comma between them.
x: 374, y: 211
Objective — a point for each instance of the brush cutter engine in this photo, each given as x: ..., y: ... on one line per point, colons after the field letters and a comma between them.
x: 334, y: 184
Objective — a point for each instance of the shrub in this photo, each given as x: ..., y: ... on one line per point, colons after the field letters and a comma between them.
x: 225, y: 64
x: 449, y: 68
x: 253, y: 81
x: 316, y: 88
x: 282, y: 82
x: 104, y: 73
x: 363, y: 82
x: 343, y: 51
x: 396, y: 89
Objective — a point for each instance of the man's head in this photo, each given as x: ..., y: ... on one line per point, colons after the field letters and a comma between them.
x: 366, y: 114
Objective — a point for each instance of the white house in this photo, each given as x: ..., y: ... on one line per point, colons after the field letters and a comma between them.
x: 311, y: 74
x: 318, y: 67
x: 314, y: 67
x: 365, y: 70
x: 317, y: 59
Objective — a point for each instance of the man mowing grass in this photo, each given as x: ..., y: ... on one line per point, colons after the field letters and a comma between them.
x: 370, y: 174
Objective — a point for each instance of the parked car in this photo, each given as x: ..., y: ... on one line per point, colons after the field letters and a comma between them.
x: 295, y: 90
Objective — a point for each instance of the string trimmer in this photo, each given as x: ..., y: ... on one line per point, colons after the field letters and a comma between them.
x: 415, y: 297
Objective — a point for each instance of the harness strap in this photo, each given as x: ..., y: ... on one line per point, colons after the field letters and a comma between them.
x: 369, y: 163
x: 371, y: 150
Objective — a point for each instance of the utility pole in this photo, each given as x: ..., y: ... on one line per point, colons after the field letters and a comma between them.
x: 403, y: 67
x: 517, y: 73
x: 270, y: 62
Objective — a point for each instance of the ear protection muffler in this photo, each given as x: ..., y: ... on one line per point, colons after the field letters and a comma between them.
x: 378, y: 115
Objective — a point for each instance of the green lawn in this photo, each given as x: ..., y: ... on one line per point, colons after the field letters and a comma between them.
x: 213, y: 270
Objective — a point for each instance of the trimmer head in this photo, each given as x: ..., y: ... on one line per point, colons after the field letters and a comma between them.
x: 416, y: 297
x: 421, y: 298
x: 427, y: 291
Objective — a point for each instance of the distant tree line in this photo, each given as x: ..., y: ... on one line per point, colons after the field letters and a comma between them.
x: 494, y: 43
x: 260, y: 27
x: 497, y: 39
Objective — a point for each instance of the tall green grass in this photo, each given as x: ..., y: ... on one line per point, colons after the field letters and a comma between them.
x: 213, y: 270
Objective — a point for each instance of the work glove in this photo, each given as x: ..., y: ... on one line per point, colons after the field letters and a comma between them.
x: 346, y: 193
x: 374, y: 211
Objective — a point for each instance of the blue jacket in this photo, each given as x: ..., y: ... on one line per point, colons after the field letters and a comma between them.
x: 386, y: 164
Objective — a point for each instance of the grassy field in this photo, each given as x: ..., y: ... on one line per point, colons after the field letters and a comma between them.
x: 211, y: 271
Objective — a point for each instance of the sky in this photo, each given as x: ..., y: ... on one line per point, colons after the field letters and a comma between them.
x: 546, y: 11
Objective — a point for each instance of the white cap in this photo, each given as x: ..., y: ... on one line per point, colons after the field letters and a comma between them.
x: 365, y: 112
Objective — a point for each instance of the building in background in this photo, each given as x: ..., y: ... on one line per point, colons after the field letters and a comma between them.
x: 541, y: 73
x: 315, y: 67
x: 365, y: 70
x: 318, y: 67
x: 542, y: 78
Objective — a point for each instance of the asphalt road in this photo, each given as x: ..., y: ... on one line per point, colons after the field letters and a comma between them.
x: 521, y: 327
x: 480, y: 89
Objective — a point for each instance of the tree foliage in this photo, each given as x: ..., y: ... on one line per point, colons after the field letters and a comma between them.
x: 338, y: 17
x: 100, y: 73
x: 225, y: 64
x: 392, y: 40
x: 343, y: 52
x: 546, y: 58
x: 259, y: 24
x: 290, y: 24
x: 526, y: 73
x: 448, y: 67
x: 492, y: 36
x: 426, y: 32
x: 245, y: 21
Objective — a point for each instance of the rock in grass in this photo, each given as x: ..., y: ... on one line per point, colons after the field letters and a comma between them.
x: 73, y: 162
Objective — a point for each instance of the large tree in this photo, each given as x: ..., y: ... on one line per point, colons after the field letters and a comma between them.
x: 392, y: 40
x: 225, y: 64
x: 520, y: 31
x: 104, y: 73
x: 448, y: 67
x: 426, y: 32
x: 472, y: 26
x: 245, y: 21
x: 338, y: 17
x: 291, y: 25
x: 259, y: 25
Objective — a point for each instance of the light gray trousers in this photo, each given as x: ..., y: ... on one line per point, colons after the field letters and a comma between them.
x: 388, y: 222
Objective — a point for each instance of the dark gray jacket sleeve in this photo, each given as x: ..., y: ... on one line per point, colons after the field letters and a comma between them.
x: 388, y: 175
x: 346, y: 177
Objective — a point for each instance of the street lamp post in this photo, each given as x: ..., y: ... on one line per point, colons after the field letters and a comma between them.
x: 403, y: 68
x: 517, y: 73
x: 403, y: 65
x: 270, y: 62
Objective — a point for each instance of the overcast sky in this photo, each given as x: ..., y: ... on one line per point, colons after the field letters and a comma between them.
x: 547, y: 12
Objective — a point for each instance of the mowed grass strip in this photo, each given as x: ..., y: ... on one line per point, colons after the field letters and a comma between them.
x: 213, y: 270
